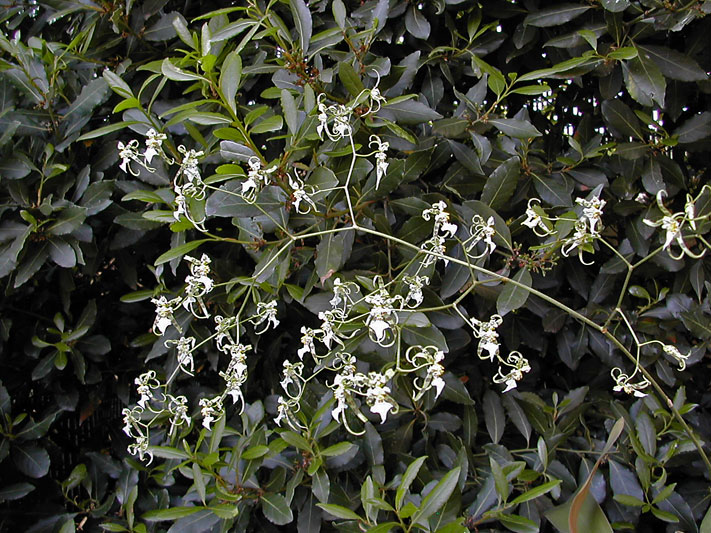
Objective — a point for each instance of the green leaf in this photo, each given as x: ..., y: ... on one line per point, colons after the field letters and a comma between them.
x: 407, y: 478
x: 500, y: 481
x: 273, y: 123
x: 69, y: 219
x: 521, y: 129
x: 557, y: 70
x: 105, y: 130
x: 705, y: 526
x: 174, y: 73
x: 92, y: 94
x: 494, y: 417
x: 590, y: 514
x: 621, y: 119
x: 31, y: 460
x: 626, y: 499
x: 337, y: 449
x: 339, y: 511
x: 231, y: 30
x: 673, y: 64
x: 517, y: 416
x: 519, y: 524
x: 296, y: 440
x: 276, y: 509
x: 174, y: 513
x: 615, y: 6
x: 646, y: 433
x: 255, y: 452
x: 438, y: 496
x: 302, y: 21
x: 555, y: 16
x: 288, y: 105
x: 696, y: 128
x: 410, y: 112
x: 513, y: 296
x: 15, y: 491
x: 416, y: 24
x: 230, y: 79
x: 179, y: 251
x: 644, y: 81
x: 535, y: 492
x: 501, y: 184
x: 329, y: 255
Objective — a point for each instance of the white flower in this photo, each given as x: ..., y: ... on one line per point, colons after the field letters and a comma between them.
x: 211, y: 410
x: 301, y: 196
x: 164, y: 314
x: 146, y: 382
x: 377, y: 394
x: 479, y: 231
x: 534, y: 220
x: 257, y: 177
x: 266, y: 314
x: 580, y: 240
x: 326, y: 331
x: 178, y: 407
x: 414, y: 295
x: 184, y: 347
x: 381, y: 164
x: 223, y: 338
x: 198, y: 284
x: 592, y: 213
x: 307, y: 342
x: 622, y: 383
x: 518, y: 366
x: 154, y: 144
x: 340, y: 115
x: 382, y: 317
x: 442, y: 227
x: 127, y: 153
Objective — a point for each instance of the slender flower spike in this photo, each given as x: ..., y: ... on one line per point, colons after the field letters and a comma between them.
x: 381, y: 163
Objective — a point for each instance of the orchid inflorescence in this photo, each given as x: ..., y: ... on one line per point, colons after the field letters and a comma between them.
x: 375, y: 311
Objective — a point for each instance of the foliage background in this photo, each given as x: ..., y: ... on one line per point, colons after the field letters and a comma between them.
x: 628, y: 114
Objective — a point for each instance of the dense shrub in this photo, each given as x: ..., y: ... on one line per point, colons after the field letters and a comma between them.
x: 378, y: 266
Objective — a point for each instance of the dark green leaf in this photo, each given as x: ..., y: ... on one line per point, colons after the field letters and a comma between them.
x: 521, y: 129
x: 494, y: 416
x: 696, y: 128
x: 438, y: 496
x: 339, y: 511
x: 230, y: 78
x: 31, y: 460
x: 501, y: 184
x: 410, y: 112
x: 673, y: 64
x: 174, y: 513
x: 555, y: 16
x: 15, y: 491
x: 302, y: 21
x: 407, y: 478
x: 644, y: 81
x: 513, y: 297
x: 621, y: 119
x: 416, y: 23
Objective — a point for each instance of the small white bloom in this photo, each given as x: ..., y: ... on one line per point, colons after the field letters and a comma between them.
x: 164, y: 314
x: 266, y: 314
x: 154, y: 144
x: 381, y: 163
x: 211, y: 410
